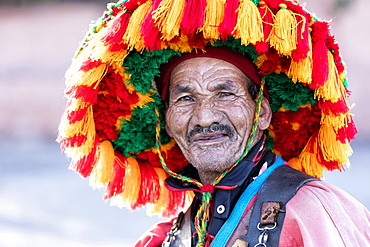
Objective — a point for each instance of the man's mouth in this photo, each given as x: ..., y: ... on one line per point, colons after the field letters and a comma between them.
x: 210, y: 139
x: 212, y: 135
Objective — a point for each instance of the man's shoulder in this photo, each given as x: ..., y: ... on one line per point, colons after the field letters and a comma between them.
x: 321, y: 214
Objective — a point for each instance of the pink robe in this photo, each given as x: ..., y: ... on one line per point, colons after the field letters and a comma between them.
x: 319, y: 214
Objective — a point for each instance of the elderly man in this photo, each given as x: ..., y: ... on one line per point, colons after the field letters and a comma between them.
x: 214, y: 102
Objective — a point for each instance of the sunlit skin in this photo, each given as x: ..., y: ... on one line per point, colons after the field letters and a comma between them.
x: 210, y: 114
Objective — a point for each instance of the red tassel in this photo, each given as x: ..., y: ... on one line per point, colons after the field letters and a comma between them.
x: 75, y: 141
x: 133, y: 5
x: 193, y: 17
x: 85, y: 93
x: 330, y: 165
x: 78, y: 115
x: 115, y: 186
x: 320, y: 71
x: 176, y: 200
x: 90, y: 64
x: 117, y: 29
x: 333, y: 108
x: 85, y: 165
x: 303, y: 20
x: 268, y: 21
x: 230, y: 18
x: 151, y: 33
x: 117, y: 47
x: 347, y: 133
x: 149, y: 188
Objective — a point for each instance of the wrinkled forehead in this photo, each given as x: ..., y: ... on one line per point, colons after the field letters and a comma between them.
x: 206, y: 70
x: 244, y: 63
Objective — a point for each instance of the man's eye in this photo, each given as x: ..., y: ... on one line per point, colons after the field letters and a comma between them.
x: 225, y: 94
x: 185, y: 98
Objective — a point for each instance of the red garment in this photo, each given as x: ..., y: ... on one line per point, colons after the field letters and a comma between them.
x: 319, y: 214
x: 155, y: 236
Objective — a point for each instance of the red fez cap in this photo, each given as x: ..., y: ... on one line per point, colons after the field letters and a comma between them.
x: 244, y: 63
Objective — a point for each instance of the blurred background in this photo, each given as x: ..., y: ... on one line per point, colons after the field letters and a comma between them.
x: 42, y: 203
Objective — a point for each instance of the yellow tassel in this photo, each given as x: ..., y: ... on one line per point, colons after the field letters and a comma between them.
x: 85, y: 127
x: 284, y: 31
x: 77, y: 153
x: 249, y: 24
x: 82, y: 127
x: 337, y: 122
x: 132, y: 183
x: 302, y: 71
x: 102, y: 172
x: 88, y: 78
x: 333, y: 89
x: 159, y: 206
x: 308, y: 160
x: 112, y: 58
x: 214, y: 15
x: 333, y: 149
x: 133, y: 37
x: 168, y: 16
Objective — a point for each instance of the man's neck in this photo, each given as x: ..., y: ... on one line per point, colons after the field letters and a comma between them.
x: 208, y: 177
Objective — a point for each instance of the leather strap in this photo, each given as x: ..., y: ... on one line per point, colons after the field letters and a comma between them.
x: 279, y: 187
x: 180, y: 235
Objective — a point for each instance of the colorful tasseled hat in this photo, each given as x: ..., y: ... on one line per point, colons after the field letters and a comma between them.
x: 110, y: 122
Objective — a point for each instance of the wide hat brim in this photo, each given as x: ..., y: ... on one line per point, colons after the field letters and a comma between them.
x: 109, y: 125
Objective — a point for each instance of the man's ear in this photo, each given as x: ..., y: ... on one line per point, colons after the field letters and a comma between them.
x: 265, y: 115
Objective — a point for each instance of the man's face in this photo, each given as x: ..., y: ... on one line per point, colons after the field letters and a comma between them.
x: 210, y: 112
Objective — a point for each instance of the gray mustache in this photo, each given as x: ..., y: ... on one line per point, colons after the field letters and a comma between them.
x: 210, y: 129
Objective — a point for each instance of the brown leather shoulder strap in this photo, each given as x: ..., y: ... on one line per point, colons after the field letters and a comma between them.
x: 269, y: 209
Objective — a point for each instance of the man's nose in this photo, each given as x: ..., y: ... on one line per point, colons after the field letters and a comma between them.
x: 205, y: 113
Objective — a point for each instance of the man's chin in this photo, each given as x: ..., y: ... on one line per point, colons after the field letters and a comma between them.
x: 212, y: 159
